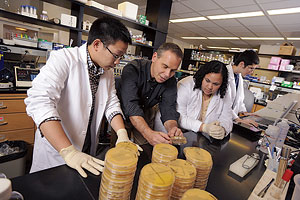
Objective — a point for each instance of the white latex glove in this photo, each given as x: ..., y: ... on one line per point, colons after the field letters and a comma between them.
x: 123, y: 137
x: 214, y: 130
x: 79, y: 160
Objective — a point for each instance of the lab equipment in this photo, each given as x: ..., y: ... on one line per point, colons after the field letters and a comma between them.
x: 296, y: 193
x: 265, y: 189
x: 244, y: 165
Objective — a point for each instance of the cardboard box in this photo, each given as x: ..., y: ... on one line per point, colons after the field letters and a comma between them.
x: 273, y: 67
x: 275, y: 60
x: 287, y: 49
x: 268, y: 49
x: 129, y: 10
x: 95, y: 4
x: 113, y: 11
x: 68, y: 20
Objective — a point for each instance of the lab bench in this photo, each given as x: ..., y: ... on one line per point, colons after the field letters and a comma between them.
x: 65, y: 183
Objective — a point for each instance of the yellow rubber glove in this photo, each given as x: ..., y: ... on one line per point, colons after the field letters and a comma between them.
x: 214, y: 130
x: 79, y: 160
x: 123, y: 137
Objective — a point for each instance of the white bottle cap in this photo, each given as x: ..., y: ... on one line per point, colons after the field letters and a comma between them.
x: 5, y: 188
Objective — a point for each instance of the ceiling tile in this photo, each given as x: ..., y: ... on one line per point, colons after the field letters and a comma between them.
x: 262, y: 28
x: 262, y: 20
x: 241, y: 9
x: 291, y: 34
x: 286, y: 19
x: 178, y: 8
x: 205, y: 24
x: 281, y: 4
x: 234, y: 3
x: 290, y: 28
x: 268, y: 34
x: 201, y: 5
x: 186, y: 15
x: 212, y: 12
x: 227, y: 22
x: 219, y: 31
x: 236, y: 29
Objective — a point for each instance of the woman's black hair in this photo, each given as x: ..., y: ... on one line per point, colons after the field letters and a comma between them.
x: 212, y: 67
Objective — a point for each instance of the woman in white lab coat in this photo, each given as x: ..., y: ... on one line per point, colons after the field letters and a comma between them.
x: 202, y: 101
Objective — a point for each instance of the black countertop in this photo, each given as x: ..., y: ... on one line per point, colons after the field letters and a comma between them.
x: 65, y: 183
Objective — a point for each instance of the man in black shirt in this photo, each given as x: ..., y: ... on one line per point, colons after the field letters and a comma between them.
x: 146, y: 86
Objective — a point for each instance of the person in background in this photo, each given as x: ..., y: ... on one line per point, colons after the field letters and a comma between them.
x: 243, y: 65
x: 202, y: 102
x: 70, y: 96
x: 147, y: 86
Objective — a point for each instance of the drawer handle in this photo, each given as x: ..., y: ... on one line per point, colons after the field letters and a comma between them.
x: 3, y: 107
x: 4, y: 123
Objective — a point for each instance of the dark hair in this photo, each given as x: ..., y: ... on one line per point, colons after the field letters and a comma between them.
x: 109, y: 31
x: 249, y: 57
x: 212, y: 67
x: 174, y: 48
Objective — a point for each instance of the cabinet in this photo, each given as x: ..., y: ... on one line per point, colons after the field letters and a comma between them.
x: 157, y: 32
x: 15, y: 124
x: 194, y: 58
x: 291, y: 76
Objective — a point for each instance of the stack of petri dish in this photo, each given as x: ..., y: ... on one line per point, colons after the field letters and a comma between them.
x: 164, y: 153
x: 202, y: 161
x: 118, y: 174
x: 155, y: 182
x: 197, y: 194
x: 127, y: 145
x: 185, y: 175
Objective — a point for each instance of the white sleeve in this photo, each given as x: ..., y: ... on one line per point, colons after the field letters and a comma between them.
x: 183, y: 94
x: 46, y: 88
x: 226, y: 115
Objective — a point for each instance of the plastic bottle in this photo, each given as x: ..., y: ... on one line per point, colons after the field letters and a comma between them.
x: 44, y: 15
x: 284, y: 128
x: 272, y: 133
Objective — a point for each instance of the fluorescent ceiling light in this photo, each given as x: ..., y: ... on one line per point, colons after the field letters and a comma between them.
x: 223, y: 38
x: 194, y: 38
x: 237, y: 15
x: 210, y: 47
x: 293, y: 38
x: 235, y: 48
x: 191, y: 19
x: 284, y: 11
x: 262, y: 38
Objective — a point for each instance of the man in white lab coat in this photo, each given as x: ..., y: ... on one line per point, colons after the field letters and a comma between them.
x: 70, y: 96
x: 243, y: 65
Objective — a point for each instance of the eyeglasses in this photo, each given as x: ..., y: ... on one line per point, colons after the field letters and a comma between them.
x: 116, y: 57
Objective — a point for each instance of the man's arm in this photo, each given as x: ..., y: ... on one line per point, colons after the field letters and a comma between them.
x: 54, y: 133
x: 153, y: 137
x: 172, y: 128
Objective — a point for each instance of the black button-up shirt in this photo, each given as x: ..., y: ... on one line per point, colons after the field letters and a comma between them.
x: 140, y: 92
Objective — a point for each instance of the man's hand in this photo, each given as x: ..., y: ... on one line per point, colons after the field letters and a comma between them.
x: 175, y: 131
x: 123, y: 137
x: 248, y: 122
x: 79, y: 160
x: 155, y: 137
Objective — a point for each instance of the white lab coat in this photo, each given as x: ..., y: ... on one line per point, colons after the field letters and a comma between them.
x: 236, y: 95
x: 189, y: 104
x: 62, y: 89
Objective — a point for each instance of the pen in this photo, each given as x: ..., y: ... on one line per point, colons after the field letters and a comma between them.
x: 265, y: 189
x: 269, y: 151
